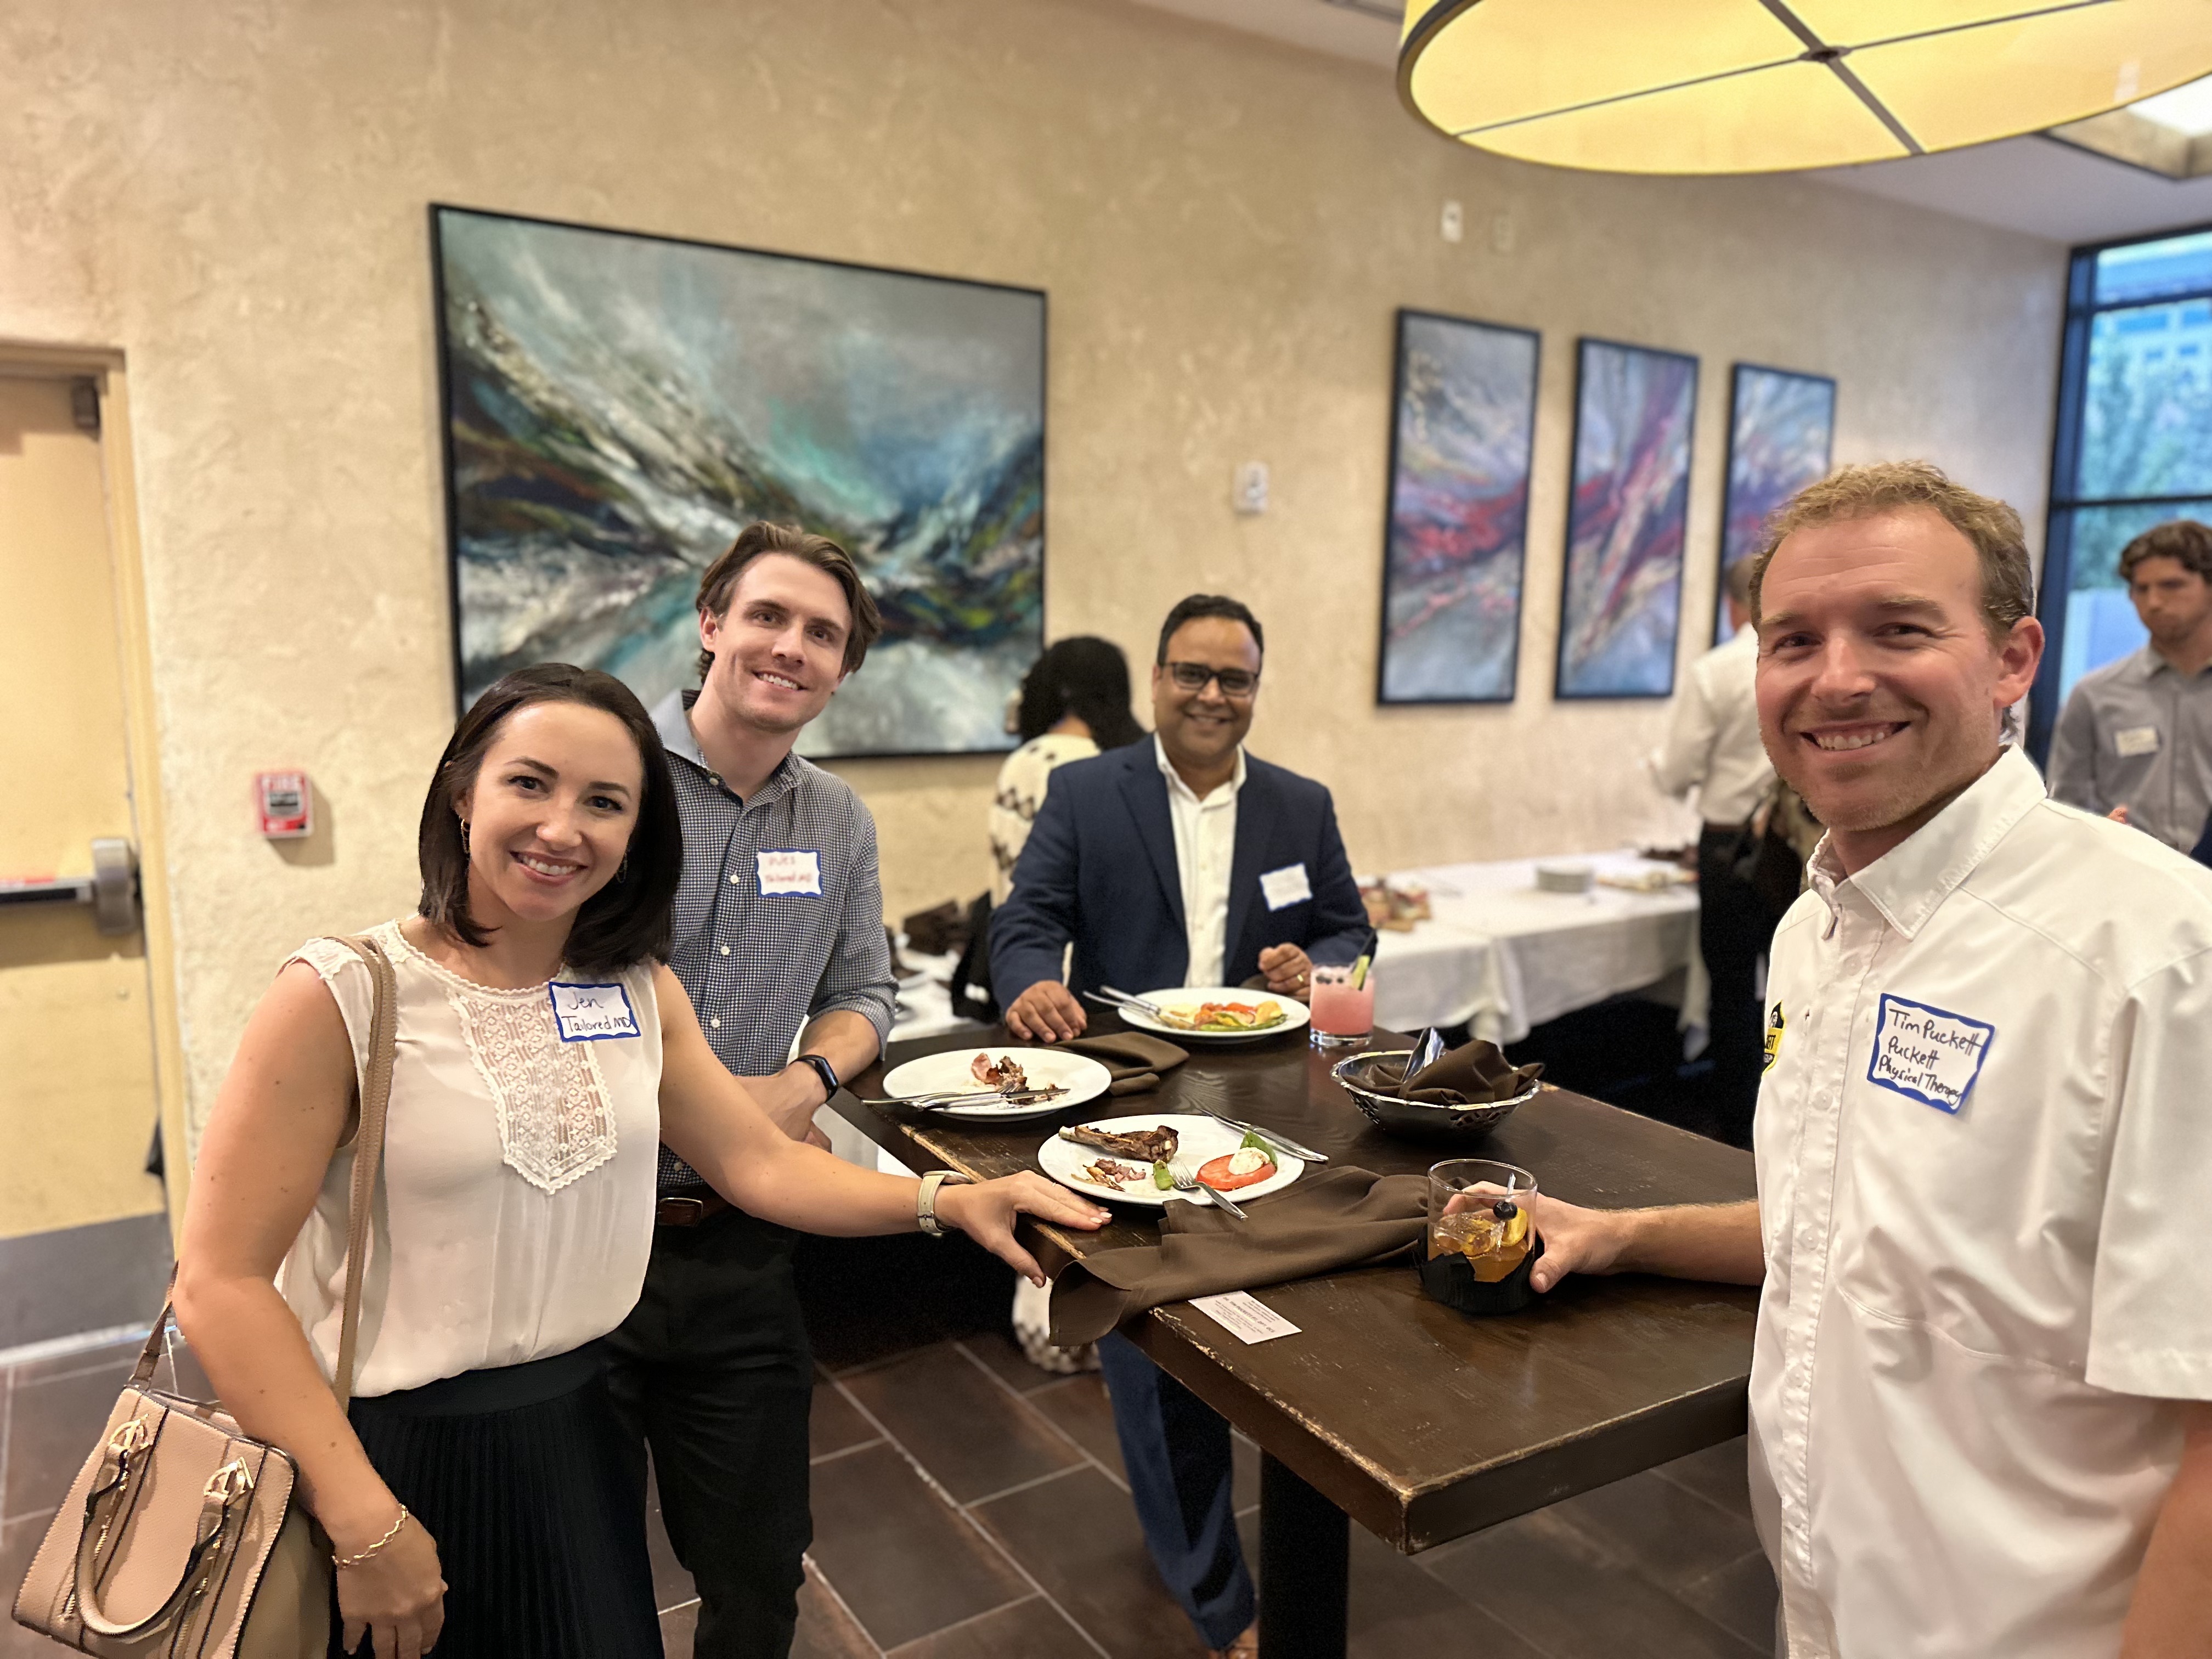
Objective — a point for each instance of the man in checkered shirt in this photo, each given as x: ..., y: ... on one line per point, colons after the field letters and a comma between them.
x: 779, y: 933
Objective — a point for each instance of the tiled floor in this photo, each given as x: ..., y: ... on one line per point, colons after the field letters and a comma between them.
x: 968, y: 1506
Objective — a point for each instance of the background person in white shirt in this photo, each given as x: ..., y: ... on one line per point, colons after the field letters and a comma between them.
x: 1978, y: 1396
x: 1713, y: 746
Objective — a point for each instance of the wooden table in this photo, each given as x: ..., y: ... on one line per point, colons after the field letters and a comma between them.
x: 1420, y: 1422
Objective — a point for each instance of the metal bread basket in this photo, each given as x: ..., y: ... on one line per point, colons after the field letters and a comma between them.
x: 1413, y: 1119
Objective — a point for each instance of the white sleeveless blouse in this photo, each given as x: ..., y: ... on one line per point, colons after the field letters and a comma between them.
x: 514, y: 1214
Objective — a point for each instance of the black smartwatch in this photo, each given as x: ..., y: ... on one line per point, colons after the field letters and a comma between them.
x: 825, y: 1071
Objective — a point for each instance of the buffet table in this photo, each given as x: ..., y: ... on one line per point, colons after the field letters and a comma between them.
x: 1501, y: 956
x: 1421, y: 1424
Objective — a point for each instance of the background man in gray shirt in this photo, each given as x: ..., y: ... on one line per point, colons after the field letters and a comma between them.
x: 2137, y: 734
x: 779, y: 931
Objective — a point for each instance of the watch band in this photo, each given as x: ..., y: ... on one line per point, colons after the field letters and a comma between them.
x: 924, y: 1200
x: 823, y: 1069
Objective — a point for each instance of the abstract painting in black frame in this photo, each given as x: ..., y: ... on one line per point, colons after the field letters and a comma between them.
x: 1782, y: 434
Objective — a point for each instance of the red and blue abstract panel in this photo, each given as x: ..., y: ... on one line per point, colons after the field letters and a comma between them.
x: 1623, y: 594
x: 1782, y: 428
x: 1466, y: 421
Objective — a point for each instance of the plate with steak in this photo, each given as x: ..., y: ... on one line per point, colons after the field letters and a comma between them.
x: 991, y: 1073
x: 1210, y: 1153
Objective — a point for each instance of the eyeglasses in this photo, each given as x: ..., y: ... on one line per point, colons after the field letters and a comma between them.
x: 1193, y: 676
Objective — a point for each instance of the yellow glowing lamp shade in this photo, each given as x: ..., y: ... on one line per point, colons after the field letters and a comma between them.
x: 1763, y: 86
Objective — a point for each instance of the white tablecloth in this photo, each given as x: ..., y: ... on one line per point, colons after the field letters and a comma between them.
x: 1503, y: 956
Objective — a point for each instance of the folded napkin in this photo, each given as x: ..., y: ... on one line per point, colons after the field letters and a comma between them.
x: 1332, y: 1218
x: 1136, y: 1060
x: 1475, y: 1075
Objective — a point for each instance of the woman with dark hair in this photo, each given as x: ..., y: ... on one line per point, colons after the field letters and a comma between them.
x: 1074, y: 704
x: 474, y: 1495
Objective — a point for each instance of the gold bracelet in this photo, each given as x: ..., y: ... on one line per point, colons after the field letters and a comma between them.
x: 356, y: 1560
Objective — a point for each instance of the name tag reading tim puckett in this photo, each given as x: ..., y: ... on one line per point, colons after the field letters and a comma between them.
x: 592, y: 1013
x: 1927, y: 1054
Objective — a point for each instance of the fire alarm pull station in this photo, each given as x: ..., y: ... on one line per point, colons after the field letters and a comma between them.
x: 286, y: 802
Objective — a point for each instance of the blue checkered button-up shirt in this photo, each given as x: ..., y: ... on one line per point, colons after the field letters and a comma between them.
x: 758, y: 966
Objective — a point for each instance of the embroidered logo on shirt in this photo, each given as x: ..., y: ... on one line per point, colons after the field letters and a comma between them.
x: 1774, y: 1026
x: 1285, y: 886
x: 789, y: 870
x: 1928, y: 1054
x: 592, y: 1013
x: 2136, y: 740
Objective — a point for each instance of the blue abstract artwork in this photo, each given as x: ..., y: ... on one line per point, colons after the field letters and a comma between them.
x: 1465, y: 422
x: 618, y: 407
x: 1621, y: 603
x: 1782, y: 429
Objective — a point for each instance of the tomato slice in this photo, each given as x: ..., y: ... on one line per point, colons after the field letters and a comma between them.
x: 1215, y: 1174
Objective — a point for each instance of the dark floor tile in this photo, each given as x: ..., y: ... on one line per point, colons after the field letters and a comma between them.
x: 53, y: 1418
x: 19, y: 1542
x: 678, y: 1626
x: 1079, y: 1538
x: 834, y: 1424
x: 1025, y: 1631
x: 1739, y: 1596
x: 1568, y: 1597
x: 1718, y: 1473
x: 973, y: 1437
x: 999, y: 1350
x: 1398, y: 1609
x: 904, y: 1563
x: 1666, y: 1532
x: 1080, y: 1408
x: 671, y: 1584
x: 826, y: 1630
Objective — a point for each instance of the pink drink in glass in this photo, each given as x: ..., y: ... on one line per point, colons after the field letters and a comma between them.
x: 1343, y: 1013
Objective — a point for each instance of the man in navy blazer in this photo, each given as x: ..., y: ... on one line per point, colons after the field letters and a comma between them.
x: 1178, y: 861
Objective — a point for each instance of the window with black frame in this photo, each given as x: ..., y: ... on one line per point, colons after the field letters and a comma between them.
x: 2133, y: 445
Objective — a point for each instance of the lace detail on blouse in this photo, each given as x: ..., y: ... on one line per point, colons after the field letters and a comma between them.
x: 554, y: 1124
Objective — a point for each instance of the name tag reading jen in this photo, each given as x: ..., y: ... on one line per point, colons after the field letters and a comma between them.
x: 2136, y: 740
x: 1287, y: 886
x: 592, y: 1013
x: 1928, y: 1054
x: 789, y: 870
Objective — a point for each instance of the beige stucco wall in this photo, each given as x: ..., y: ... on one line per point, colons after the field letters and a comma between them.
x: 234, y: 192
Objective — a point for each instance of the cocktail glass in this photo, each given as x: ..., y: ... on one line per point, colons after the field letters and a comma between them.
x: 1343, y: 1014
x: 1481, y: 1209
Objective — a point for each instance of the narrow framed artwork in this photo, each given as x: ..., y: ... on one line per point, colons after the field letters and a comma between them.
x: 1620, y: 603
x: 1782, y: 434
x: 1462, y: 429
x: 617, y: 407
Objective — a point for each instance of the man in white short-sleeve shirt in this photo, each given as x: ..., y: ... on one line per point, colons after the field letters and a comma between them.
x: 1978, y: 1387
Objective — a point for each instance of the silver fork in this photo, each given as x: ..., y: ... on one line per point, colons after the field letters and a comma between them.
x: 1184, y: 1183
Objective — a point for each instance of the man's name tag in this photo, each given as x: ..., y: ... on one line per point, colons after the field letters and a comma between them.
x: 1287, y: 886
x: 788, y: 870
x: 2136, y: 740
x: 1928, y: 1054
x: 592, y: 1013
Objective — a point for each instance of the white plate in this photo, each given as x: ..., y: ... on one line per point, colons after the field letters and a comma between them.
x: 1084, y: 1079
x: 1199, y: 1140
x: 1189, y: 996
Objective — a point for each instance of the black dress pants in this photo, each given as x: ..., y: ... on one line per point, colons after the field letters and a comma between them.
x: 1734, y: 930
x: 712, y: 1369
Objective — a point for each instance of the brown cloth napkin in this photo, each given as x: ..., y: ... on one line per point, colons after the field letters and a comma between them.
x: 1475, y: 1075
x: 1136, y: 1060
x: 1340, y: 1217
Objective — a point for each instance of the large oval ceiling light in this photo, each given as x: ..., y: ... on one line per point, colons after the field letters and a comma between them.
x: 1762, y: 86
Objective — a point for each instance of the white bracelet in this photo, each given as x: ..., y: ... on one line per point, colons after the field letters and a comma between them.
x: 924, y: 1200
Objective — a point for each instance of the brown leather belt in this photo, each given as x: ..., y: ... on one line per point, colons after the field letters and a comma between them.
x: 687, y: 1206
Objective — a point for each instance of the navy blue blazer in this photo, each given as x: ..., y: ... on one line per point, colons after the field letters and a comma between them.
x: 1099, y: 868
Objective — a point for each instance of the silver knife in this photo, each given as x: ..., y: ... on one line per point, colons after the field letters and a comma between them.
x: 1305, y: 1154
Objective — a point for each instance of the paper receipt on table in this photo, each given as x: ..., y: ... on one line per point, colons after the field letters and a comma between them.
x: 1244, y: 1317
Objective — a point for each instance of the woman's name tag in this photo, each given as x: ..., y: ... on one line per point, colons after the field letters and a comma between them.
x: 592, y: 1013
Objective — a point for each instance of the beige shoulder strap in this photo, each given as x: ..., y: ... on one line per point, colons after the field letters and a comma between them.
x: 368, y: 1147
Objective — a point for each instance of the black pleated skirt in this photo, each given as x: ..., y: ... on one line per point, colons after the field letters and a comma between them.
x: 519, y: 1475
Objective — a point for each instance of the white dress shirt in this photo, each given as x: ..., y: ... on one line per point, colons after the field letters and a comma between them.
x: 1982, y: 1143
x: 1205, y: 843
x: 1713, y: 744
